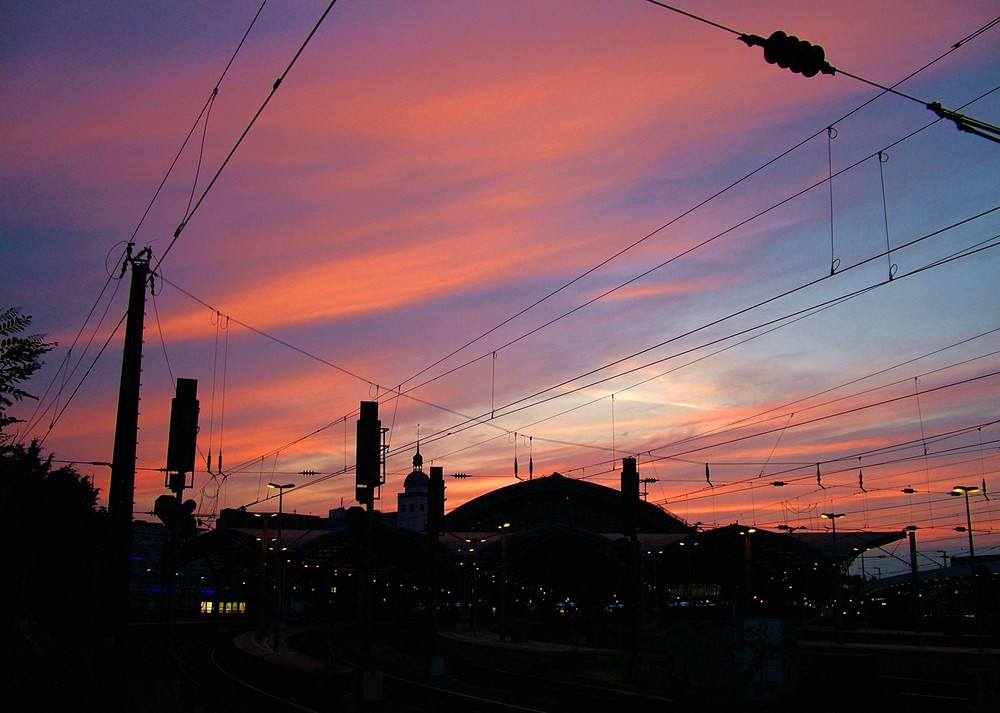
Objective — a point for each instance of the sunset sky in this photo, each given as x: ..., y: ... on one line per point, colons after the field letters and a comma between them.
x: 568, y: 232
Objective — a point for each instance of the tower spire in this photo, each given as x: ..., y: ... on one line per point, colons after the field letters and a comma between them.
x: 418, y: 460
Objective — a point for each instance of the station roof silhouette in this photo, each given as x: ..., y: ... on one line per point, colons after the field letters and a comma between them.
x: 542, y: 502
x: 576, y: 524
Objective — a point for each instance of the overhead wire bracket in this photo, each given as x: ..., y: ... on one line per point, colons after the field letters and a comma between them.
x: 966, y: 123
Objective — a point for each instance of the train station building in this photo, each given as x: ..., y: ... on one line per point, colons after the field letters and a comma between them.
x: 534, y: 553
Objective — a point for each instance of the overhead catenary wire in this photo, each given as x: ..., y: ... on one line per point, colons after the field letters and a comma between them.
x: 837, y: 492
x: 886, y: 515
x: 732, y: 425
x: 963, y: 123
x: 831, y: 133
x: 274, y: 88
x: 335, y: 359
x: 877, y: 154
x: 206, y: 107
x: 41, y: 410
x: 418, y: 399
x: 884, y: 402
x: 896, y: 453
x: 483, y: 419
x: 882, y: 515
x: 761, y: 414
x: 271, y: 337
x: 729, y: 487
x: 73, y: 394
x: 534, y: 398
x: 676, y: 455
x: 672, y: 259
x: 647, y: 236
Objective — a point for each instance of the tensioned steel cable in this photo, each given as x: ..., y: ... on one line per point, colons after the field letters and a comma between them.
x: 239, y: 141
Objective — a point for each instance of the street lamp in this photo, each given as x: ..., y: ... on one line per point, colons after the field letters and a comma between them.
x: 958, y: 491
x: 503, y: 580
x: 833, y: 517
x: 281, y: 564
x: 262, y: 621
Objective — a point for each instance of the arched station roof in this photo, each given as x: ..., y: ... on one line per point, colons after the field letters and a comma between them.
x: 797, y: 550
x: 846, y: 545
x: 555, y: 499
x: 224, y: 548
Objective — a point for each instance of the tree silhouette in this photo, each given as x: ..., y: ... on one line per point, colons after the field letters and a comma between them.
x: 51, y: 530
x: 50, y: 522
x: 51, y: 526
x: 20, y: 357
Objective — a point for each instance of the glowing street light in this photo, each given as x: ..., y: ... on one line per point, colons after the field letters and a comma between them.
x: 958, y: 491
x: 832, y: 517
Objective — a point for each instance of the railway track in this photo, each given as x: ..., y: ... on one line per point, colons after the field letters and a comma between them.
x: 214, y: 675
x: 205, y: 671
x: 484, y: 689
x: 476, y: 687
x: 492, y: 689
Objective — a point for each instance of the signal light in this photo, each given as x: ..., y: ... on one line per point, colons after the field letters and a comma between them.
x: 183, y: 434
x: 368, y: 466
x: 789, y: 52
x: 179, y: 519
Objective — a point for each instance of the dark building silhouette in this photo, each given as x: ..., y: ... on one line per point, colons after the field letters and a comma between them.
x: 411, y: 504
x: 562, y: 560
x: 561, y: 547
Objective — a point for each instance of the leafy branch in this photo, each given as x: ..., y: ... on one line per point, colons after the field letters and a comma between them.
x: 20, y: 357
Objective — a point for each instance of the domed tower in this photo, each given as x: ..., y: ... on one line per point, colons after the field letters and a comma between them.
x: 411, y: 508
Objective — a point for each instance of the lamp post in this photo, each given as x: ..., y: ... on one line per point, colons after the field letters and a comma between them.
x: 833, y: 517
x: 958, y: 491
x: 503, y: 581
x: 281, y: 565
x: 965, y: 490
x: 911, y: 534
x: 262, y: 619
